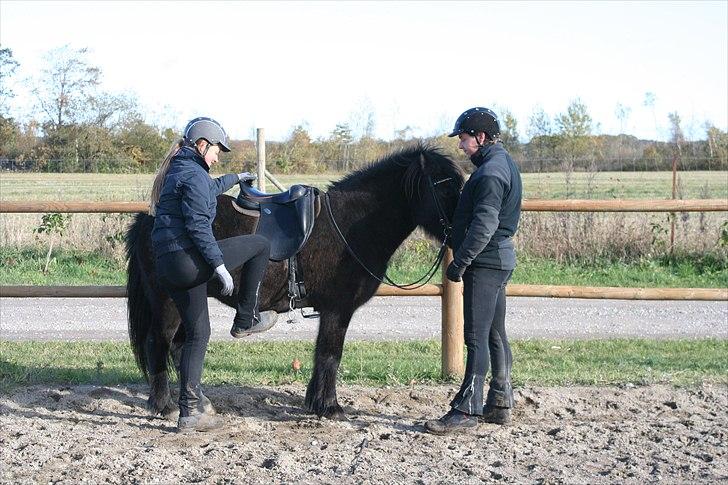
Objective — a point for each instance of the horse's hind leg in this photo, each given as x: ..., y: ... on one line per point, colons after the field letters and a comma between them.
x: 321, y: 391
x: 157, y: 351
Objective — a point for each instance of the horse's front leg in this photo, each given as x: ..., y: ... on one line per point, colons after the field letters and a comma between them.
x: 321, y: 391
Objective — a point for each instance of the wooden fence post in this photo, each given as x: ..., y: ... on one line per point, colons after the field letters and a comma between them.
x: 260, y: 145
x: 452, y: 324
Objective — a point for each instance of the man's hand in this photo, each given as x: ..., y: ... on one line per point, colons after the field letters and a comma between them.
x: 246, y: 177
x: 227, y: 280
x: 455, y: 272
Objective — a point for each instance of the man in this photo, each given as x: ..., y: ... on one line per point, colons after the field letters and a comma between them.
x: 484, y: 257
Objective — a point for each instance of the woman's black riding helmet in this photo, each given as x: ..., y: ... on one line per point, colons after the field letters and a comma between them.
x: 476, y: 120
x: 208, y: 129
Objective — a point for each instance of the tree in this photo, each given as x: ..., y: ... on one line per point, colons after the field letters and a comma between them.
x: 576, y: 122
x: 541, y: 134
x: 66, y: 86
x: 509, y: 132
x: 676, y: 133
x: 7, y: 68
x: 342, y: 138
x: 622, y: 112
x: 717, y: 141
x: 574, y: 140
x: 298, y: 153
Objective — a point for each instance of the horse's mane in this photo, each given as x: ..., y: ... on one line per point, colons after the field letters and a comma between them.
x: 403, y: 163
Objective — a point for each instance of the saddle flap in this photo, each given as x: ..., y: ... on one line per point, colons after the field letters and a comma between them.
x: 288, y: 225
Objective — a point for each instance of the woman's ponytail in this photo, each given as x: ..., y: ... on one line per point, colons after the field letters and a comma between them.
x: 161, y: 173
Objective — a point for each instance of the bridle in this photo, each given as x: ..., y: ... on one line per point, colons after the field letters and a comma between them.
x: 386, y: 280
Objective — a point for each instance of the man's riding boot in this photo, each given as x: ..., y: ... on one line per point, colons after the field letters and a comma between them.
x: 453, y: 421
x: 496, y: 415
x: 259, y: 322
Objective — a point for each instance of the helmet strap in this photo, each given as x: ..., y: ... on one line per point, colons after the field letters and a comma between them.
x: 480, y: 145
x: 203, y: 153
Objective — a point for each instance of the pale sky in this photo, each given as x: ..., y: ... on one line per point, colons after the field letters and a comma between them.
x: 417, y: 64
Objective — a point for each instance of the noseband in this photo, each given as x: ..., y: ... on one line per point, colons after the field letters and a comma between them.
x: 386, y: 280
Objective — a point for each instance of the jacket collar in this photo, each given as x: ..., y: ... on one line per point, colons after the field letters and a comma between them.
x: 485, y: 153
x: 190, y: 153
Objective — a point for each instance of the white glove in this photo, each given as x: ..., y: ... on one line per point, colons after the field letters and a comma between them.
x: 246, y: 177
x: 227, y: 280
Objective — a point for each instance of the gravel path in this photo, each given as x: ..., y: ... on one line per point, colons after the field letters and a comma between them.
x: 387, y: 318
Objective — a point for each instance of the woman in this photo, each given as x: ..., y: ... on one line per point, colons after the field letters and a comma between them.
x: 184, y: 201
x: 484, y: 257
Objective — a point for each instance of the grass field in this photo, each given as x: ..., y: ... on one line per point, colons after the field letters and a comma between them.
x: 600, y: 185
x: 540, y: 363
x: 72, y: 267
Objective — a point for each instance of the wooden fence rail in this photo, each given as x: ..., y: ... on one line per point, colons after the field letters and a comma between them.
x: 552, y: 291
x: 529, y: 205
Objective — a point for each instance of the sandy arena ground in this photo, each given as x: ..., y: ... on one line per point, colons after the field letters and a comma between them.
x: 62, y: 434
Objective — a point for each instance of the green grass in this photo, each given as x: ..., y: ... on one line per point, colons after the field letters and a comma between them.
x: 554, y: 185
x: 683, y: 271
x: 24, y: 267
x: 536, y: 362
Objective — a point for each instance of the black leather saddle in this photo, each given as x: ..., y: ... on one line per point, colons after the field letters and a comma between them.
x: 286, y: 218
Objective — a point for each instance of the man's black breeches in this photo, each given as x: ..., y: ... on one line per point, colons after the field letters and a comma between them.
x: 484, y: 304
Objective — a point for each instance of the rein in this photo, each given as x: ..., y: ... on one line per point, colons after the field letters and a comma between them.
x: 386, y: 280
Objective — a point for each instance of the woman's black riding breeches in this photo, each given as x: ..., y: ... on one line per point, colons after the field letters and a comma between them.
x: 185, y: 275
x: 484, y: 304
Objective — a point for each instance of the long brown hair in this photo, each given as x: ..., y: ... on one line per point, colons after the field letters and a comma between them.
x: 161, y: 173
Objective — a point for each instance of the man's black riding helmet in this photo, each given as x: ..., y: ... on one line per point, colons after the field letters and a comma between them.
x: 476, y: 120
x: 208, y: 129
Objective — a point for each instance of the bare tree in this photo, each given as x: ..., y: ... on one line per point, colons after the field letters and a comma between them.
x: 64, y: 88
x: 622, y: 113
x: 7, y: 68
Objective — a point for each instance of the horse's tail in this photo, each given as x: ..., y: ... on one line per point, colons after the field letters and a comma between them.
x: 139, y: 309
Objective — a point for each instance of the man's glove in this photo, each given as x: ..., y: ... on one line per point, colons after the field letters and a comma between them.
x: 455, y: 272
x: 227, y: 280
x: 246, y: 177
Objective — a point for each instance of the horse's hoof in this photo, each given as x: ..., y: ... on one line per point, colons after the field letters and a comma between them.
x: 335, y: 413
x: 171, y: 415
x: 169, y: 411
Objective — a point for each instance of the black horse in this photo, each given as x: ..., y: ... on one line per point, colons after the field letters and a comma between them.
x: 375, y: 209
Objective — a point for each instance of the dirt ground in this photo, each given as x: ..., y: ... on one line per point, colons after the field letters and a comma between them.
x: 62, y: 434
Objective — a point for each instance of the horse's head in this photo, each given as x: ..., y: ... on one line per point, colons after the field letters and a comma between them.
x: 432, y: 184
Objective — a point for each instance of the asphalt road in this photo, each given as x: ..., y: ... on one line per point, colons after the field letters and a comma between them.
x: 387, y: 318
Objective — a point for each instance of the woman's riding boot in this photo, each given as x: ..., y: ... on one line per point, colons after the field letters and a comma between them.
x: 193, y: 415
x: 259, y: 322
x: 199, y: 422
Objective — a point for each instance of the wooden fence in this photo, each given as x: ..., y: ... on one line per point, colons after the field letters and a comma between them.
x: 451, y: 293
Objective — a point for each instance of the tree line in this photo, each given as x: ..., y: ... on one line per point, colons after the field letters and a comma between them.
x: 79, y: 127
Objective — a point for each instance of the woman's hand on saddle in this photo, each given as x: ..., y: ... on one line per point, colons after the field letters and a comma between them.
x: 246, y: 177
x: 227, y: 280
